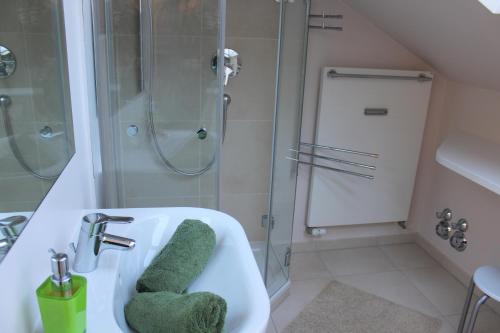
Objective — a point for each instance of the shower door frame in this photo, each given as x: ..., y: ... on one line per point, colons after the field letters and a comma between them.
x: 281, y: 33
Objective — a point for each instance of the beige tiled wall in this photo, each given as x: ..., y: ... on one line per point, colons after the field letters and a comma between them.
x: 184, y: 100
x: 185, y: 41
x: 252, y: 29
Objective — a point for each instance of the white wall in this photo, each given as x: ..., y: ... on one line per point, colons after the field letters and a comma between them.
x: 52, y: 226
x: 477, y: 111
x: 361, y: 44
x: 454, y: 106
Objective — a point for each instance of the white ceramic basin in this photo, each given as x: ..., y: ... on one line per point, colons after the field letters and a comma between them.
x: 231, y: 272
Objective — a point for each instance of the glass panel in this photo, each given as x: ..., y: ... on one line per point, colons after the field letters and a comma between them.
x: 36, y: 134
x: 158, y: 101
x: 287, y: 131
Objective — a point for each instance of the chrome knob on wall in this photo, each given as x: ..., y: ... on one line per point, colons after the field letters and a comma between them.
x: 445, y: 215
x: 458, y: 241
x: 443, y: 230
x: 462, y: 225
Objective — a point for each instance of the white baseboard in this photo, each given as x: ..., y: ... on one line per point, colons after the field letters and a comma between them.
x: 348, y: 243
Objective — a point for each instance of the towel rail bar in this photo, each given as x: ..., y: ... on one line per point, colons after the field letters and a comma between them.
x: 337, y: 160
x: 342, y: 150
x: 352, y: 173
x: 333, y: 74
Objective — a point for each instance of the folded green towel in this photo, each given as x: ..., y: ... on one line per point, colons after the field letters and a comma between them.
x: 181, y: 260
x: 166, y: 312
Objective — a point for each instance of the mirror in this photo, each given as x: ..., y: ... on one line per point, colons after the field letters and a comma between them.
x: 7, y: 62
x: 36, y: 134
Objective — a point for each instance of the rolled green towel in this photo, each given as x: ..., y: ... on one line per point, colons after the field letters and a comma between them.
x: 166, y: 312
x: 181, y: 260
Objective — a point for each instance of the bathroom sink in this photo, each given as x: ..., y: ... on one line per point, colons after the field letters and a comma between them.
x: 231, y: 272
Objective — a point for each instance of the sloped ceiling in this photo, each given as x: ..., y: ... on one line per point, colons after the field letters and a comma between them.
x: 459, y: 38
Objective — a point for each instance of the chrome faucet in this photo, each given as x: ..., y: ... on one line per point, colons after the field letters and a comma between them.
x: 93, y: 240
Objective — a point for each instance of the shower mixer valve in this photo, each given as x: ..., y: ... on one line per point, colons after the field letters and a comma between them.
x: 444, y: 229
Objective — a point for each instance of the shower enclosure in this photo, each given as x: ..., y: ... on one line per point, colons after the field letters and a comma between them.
x: 175, y: 130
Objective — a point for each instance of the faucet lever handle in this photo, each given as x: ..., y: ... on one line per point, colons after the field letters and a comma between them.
x: 120, y: 219
x: 100, y: 218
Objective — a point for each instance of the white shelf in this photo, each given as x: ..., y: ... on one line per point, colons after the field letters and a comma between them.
x: 472, y: 157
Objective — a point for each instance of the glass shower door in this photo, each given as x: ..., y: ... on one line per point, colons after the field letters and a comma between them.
x: 158, y: 101
x: 287, y: 119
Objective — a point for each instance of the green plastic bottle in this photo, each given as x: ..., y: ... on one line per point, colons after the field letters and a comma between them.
x: 62, y: 299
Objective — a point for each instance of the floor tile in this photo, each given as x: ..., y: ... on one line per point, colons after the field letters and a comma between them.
x: 408, y: 256
x: 393, y: 286
x: 301, y: 294
x: 356, y: 261
x: 446, y: 327
x: 270, y: 327
x: 440, y: 287
x: 487, y: 322
x: 306, y: 266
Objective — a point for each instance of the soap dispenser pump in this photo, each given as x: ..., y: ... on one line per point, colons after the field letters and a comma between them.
x: 61, y: 277
x: 62, y: 298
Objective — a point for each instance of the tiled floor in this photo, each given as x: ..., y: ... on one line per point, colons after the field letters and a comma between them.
x: 404, y: 274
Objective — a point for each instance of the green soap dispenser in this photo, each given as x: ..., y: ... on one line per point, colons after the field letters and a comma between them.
x: 62, y: 298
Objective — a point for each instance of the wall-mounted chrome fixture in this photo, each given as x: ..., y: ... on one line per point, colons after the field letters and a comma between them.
x: 46, y: 132
x: 226, y: 101
x: 444, y: 229
x: 458, y: 241
x: 462, y: 225
x: 202, y: 133
x: 132, y: 130
x: 445, y: 215
x: 324, y: 17
x: 232, y: 64
x: 8, y: 62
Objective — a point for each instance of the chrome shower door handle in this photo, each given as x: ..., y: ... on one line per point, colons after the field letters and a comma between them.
x: 226, y: 101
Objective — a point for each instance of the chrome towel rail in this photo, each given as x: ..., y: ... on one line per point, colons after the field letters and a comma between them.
x: 352, y: 173
x: 333, y: 74
x: 324, y: 16
x: 342, y: 150
x: 333, y: 159
x: 325, y: 27
x: 360, y: 165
